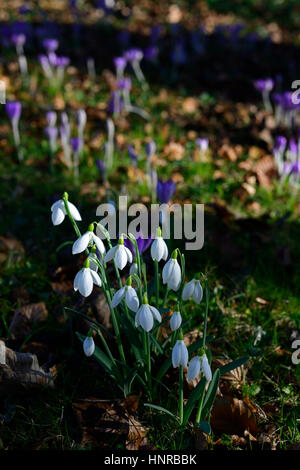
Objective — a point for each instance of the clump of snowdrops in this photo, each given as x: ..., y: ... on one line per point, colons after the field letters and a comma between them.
x: 137, y: 352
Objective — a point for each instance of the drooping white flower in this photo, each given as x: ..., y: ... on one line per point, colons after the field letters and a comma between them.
x: 130, y: 295
x: 159, y: 249
x: 59, y: 212
x: 175, y: 321
x: 172, y: 273
x: 93, y: 259
x: 88, y: 346
x: 199, y: 364
x: 120, y: 253
x: 145, y: 316
x: 180, y: 355
x: 193, y: 289
x: 133, y: 269
x: 85, y: 279
x: 87, y: 239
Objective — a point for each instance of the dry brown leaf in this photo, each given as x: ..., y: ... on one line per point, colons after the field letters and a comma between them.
x: 190, y: 105
x: 11, y: 250
x: 25, y: 317
x: 174, y: 151
x: 233, y: 416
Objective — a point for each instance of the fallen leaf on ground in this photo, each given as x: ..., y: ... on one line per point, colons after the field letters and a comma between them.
x: 25, y: 318
x: 233, y: 416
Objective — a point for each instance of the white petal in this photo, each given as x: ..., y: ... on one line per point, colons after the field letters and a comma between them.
x: 176, y: 355
x: 165, y: 254
x: 85, y: 285
x: 132, y: 299
x: 96, y: 278
x: 74, y: 211
x: 81, y: 243
x: 167, y: 270
x: 57, y: 216
x: 198, y: 293
x: 184, y: 355
x: 175, y: 278
x: 155, y: 313
x: 59, y: 203
x: 129, y: 254
x: 88, y: 346
x: 206, y: 368
x: 76, y: 280
x: 93, y: 262
x: 188, y: 290
x: 118, y: 297
x: 175, y: 321
x: 110, y: 254
x: 193, y: 369
x: 157, y: 249
x: 99, y: 244
x: 121, y: 257
x: 133, y: 269
x: 146, y: 318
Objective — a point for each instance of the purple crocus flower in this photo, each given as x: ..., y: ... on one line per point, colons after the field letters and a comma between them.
x: 61, y: 61
x: 50, y: 44
x: 280, y: 143
x: 76, y: 144
x: 116, y: 103
x: 101, y: 166
x: 150, y: 148
x: 134, y: 55
x: 165, y: 190
x: 293, y: 147
x: 133, y: 155
x: 291, y: 168
x: 142, y: 243
x: 264, y: 84
x: 151, y: 53
x: 13, y: 109
x: 202, y: 144
x: 120, y: 64
x: 51, y: 117
x: 18, y: 40
x: 124, y: 84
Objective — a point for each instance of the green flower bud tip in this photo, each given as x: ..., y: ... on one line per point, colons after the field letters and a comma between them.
x: 91, y: 227
x: 86, y: 263
x: 129, y: 281
x: 65, y: 196
x: 174, y: 254
x: 158, y: 232
x: 93, y: 249
x: 121, y: 240
x: 202, y: 351
x: 145, y: 299
x: 90, y: 333
x: 180, y: 334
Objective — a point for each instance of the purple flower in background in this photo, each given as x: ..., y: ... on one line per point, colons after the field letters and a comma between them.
x: 51, y: 133
x: 13, y: 109
x: 165, y: 190
x: 51, y: 117
x: 101, y: 167
x: 124, y: 84
x: 150, y: 148
x: 116, y: 103
x: 280, y: 143
x: 61, y: 61
x: 293, y: 147
x: 76, y: 144
x: 142, y: 243
x: 18, y: 40
x: 133, y: 155
x: 151, y: 53
x: 291, y: 168
x: 134, y: 55
x: 50, y: 44
x: 202, y: 144
x: 178, y: 54
x: 264, y: 84
x: 120, y: 64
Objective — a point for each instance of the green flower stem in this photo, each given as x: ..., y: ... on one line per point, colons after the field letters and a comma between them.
x: 199, y: 411
x: 78, y: 233
x: 198, y: 417
x: 106, y: 347
x: 181, y: 394
x: 147, y: 358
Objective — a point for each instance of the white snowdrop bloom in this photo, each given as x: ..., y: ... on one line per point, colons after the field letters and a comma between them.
x: 85, y: 279
x: 180, y: 355
x: 133, y: 269
x: 120, y: 253
x: 94, y: 260
x: 88, y: 239
x: 159, y: 249
x: 88, y: 346
x: 130, y: 295
x: 199, y: 364
x: 172, y: 273
x: 175, y: 321
x: 145, y: 316
x: 59, y: 212
x: 193, y: 289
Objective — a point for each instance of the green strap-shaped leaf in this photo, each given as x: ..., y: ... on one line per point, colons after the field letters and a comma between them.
x: 194, y: 398
x: 233, y: 365
x: 210, y: 394
x: 163, y: 410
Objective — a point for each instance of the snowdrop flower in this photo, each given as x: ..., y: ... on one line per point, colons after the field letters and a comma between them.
x: 193, y: 289
x: 86, y: 240
x: 145, y: 315
x: 93, y: 259
x: 180, y: 355
x: 199, y: 364
x: 159, y: 249
x: 133, y: 268
x: 59, y: 211
x: 89, y: 345
x: 172, y: 273
x: 120, y: 253
x: 175, y: 321
x: 129, y: 294
x: 85, y: 279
